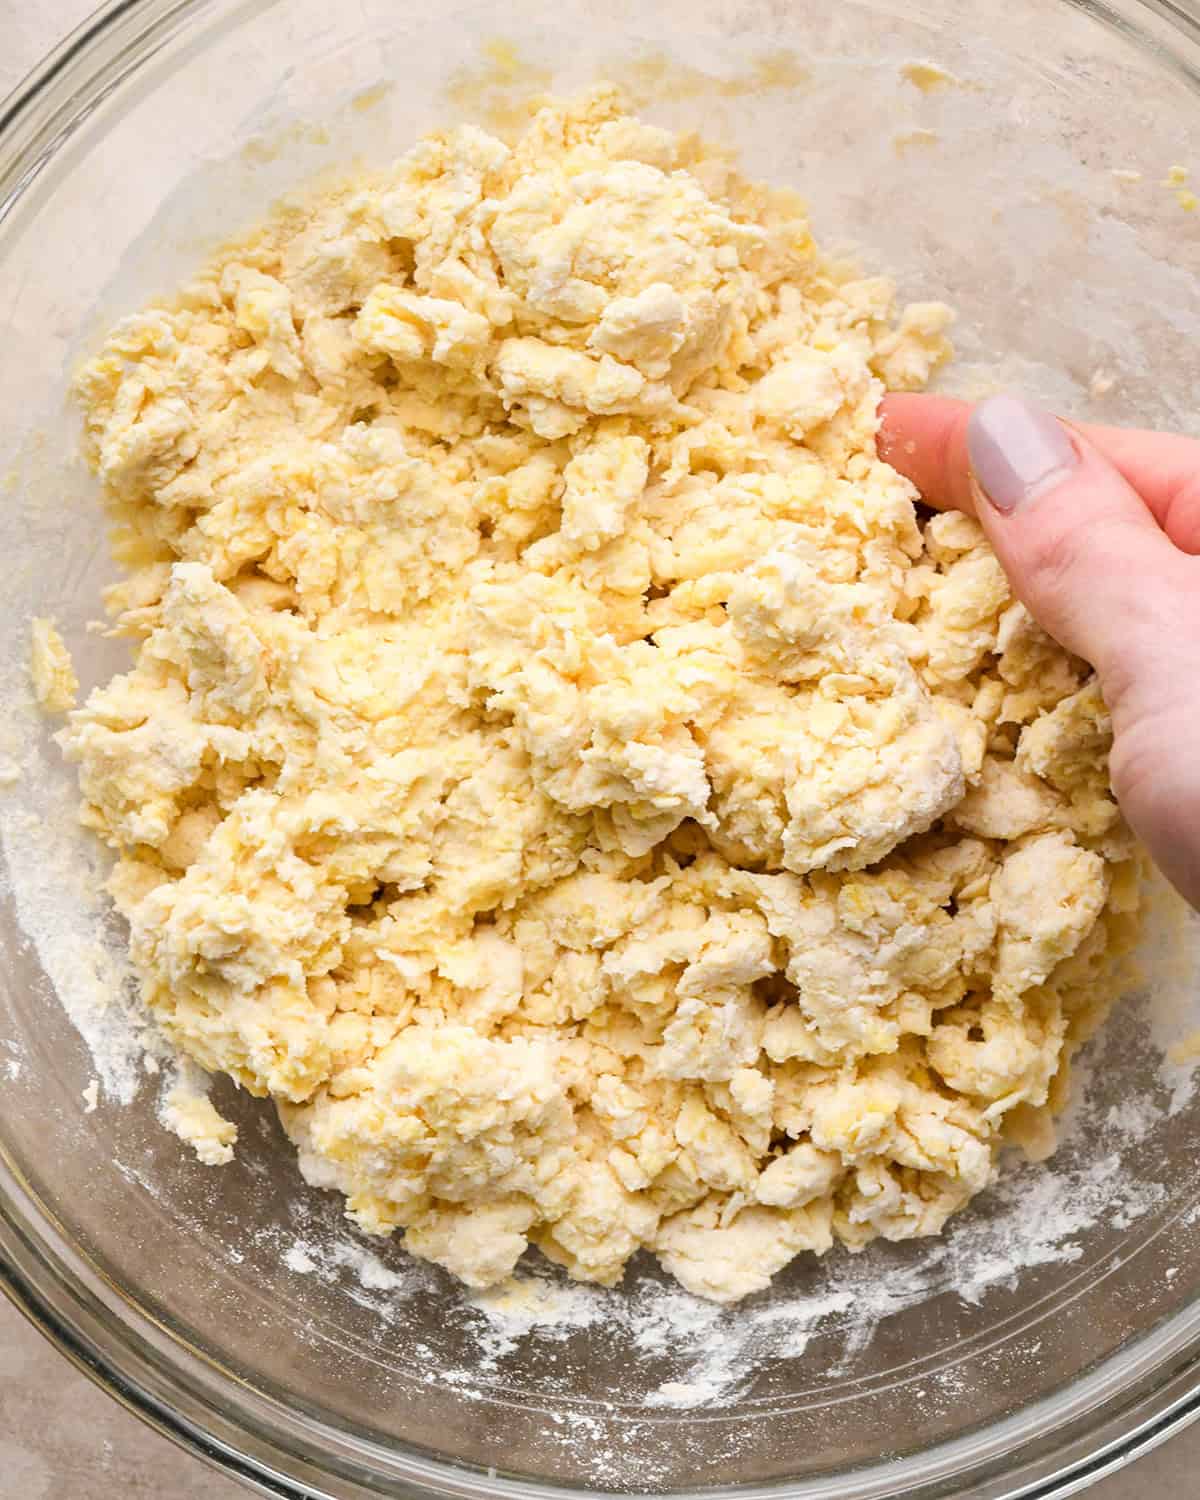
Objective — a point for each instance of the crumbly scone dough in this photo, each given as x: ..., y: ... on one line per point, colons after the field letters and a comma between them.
x: 560, y: 766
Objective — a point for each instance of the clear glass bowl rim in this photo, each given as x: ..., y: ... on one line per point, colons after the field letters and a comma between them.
x: 1097, y: 1425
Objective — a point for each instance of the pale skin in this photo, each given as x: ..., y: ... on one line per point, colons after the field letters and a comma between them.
x: 1103, y: 547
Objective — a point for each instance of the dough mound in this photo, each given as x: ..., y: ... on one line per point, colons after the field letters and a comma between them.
x: 560, y: 766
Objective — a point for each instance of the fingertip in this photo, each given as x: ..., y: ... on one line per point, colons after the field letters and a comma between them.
x: 902, y: 416
x: 925, y: 439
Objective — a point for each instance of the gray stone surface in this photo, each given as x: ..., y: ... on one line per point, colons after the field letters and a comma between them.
x: 89, y: 1444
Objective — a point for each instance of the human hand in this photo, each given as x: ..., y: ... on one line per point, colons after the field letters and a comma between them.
x: 1098, y: 529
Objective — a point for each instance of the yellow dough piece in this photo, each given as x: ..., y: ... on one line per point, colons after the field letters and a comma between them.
x: 560, y: 766
x: 55, y: 684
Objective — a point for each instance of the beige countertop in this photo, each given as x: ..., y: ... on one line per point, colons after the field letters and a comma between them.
x: 88, y: 1445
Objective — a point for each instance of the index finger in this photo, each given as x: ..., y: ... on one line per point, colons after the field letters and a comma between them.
x: 925, y: 438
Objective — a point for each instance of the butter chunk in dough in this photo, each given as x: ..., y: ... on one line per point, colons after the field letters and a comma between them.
x: 728, y: 1261
x: 559, y: 766
x: 1067, y: 748
x: 1047, y: 895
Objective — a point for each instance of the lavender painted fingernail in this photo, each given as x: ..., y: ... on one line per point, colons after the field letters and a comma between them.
x: 1017, y: 450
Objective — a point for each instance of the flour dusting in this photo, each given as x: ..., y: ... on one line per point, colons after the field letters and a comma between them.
x: 55, y: 878
x: 1040, y: 1216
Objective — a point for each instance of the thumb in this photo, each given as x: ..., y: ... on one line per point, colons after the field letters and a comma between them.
x: 1080, y: 547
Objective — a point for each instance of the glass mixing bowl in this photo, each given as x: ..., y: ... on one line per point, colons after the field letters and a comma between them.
x: 1011, y: 156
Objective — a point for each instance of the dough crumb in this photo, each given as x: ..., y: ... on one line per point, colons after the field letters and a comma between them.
x: 927, y: 77
x: 907, y: 139
x: 1176, y: 179
x: 194, y: 1119
x: 54, y: 681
